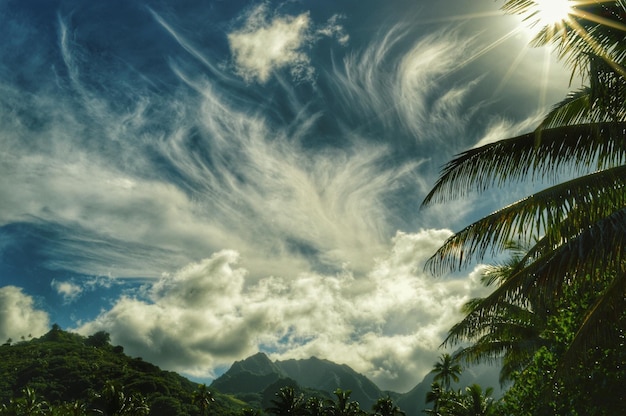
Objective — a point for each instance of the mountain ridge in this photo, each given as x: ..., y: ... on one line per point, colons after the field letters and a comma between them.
x: 325, y: 376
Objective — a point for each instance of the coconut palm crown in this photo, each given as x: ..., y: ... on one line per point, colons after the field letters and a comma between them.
x: 581, y: 221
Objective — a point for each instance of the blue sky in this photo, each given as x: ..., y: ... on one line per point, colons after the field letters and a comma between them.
x: 209, y: 179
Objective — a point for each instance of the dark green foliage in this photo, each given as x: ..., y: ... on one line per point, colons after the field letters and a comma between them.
x: 592, y: 384
x: 98, y: 340
x: 67, y: 369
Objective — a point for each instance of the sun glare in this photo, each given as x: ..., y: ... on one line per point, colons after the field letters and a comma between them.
x: 552, y: 12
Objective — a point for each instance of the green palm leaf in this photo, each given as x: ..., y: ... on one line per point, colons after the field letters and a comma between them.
x: 562, y: 211
x: 537, y: 155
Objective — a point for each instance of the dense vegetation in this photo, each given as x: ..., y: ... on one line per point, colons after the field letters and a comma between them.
x: 557, y: 315
x: 62, y: 373
x: 63, y: 370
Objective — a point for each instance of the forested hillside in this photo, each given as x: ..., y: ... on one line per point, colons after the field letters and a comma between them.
x: 63, y: 373
x: 63, y: 368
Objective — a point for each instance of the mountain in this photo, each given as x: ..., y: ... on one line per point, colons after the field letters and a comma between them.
x: 255, y: 374
x: 251, y: 375
x: 327, y: 376
x: 63, y: 367
x: 256, y: 379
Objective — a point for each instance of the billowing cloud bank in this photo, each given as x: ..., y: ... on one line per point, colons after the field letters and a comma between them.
x: 20, y: 318
x: 387, y: 324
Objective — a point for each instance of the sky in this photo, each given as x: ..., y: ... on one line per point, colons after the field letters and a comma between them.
x: 205, y: 180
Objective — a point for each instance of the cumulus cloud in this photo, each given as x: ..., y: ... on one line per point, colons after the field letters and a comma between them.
x: 19, y: 315
x: 387, y: 324
x: 269, y: 42
x: 262, y: 46
x: 68, y: 290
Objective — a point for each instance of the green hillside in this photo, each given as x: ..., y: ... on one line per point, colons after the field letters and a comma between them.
x: 62, y: 373
x: 63, y: 367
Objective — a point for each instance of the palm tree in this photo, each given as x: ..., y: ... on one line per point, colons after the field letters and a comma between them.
x: 582, y: 221
x: 315, y: 406
x: 75, y: 408
x: 29, y: 404
x: 474, y: 402
x: 434, y: 396
x: 385, y: 407
x: 203, y: 398
x: 510, y: 334
x: 447, y: 370
x: 342, y: 406
x: 113, y: 401
x: 248, y: 411
x: 287, y: 403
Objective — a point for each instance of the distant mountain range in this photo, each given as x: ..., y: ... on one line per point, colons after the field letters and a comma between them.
x: 256, y: 379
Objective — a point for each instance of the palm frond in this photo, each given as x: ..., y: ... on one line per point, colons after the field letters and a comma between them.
x: 594, y: 28
x: 574, y: 109
x: 597, y: 322
x: 506, y: 318
x: 600, y: 247
x: 582, y: 200
x: 531, y: 156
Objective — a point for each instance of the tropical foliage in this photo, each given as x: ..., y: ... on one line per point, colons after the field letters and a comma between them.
x: 509, y: 335
x: 66, y: 373
x: 532, y: 339
x: 472, y: 401
x: 290, y: 401
x: 581, y: 221
x: 447, y: 370
x: 557, y: 313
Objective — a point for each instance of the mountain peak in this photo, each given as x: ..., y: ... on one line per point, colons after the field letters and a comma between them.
x: 258, y: 364
x: 247, y: 375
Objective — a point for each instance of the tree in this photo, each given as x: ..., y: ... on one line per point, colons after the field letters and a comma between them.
x: 75, y: 408
x: 203, y: 398
x: 113, y: 401
x: 510, y: 334
x: 581, y: 221
x: 447, y: 370
x: 477, y: 403
x: 28, y: 405
x: 99, y: 339
x: 435, y: 396
x: 343, y: 406
x: 287, y: 403
x: 384, y: 406
x: 315, y: 406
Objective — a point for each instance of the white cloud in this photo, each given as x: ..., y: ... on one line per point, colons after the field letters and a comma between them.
x: 19, y: 316
x: 406, y: 91
x: 284, y: 207
x: 68, y: 290
x: 500, y: 128
x: 333, y: 29
x: 270, y: 42
x: 263, y: 46
x: 387, y: 324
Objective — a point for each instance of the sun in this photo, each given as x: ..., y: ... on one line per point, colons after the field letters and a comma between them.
x: 551, y: 12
